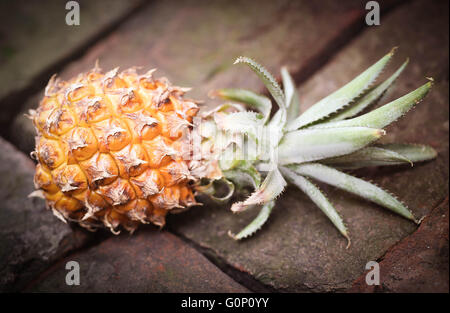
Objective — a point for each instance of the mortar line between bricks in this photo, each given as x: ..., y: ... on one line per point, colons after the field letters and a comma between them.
x: 318, y: 61
x: 242, y: 278
x: 336, y: 44
x: 95, y: 241
x: 440, y: 203
x: 15, y: 99
x: 312, y: 66
x: 391, y: 248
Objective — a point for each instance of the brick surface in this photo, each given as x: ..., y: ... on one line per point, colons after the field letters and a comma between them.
x: 194, y: 43
x: 419, y: 263
x: 31, y: 238
x: 299, y: 249
x: 34, y: 37
x: 428, y: 122
x: 149, y: 261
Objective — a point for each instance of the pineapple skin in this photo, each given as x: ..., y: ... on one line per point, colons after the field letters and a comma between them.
x: 113, y: 149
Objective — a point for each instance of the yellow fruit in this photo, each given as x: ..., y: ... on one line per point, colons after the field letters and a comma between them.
x: 119, y: 149
x: 109, y: 151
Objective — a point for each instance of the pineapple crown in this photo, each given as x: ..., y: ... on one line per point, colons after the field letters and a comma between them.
x: 293, y: 147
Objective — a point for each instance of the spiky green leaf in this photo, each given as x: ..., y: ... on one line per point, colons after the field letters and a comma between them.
x: 353, y: 185
x: 288, y: 86
x: 224, y: 108
x: 272, y: 186
x: 340, y: 98
x: 253, y: 100
x: 314, y: 193
x: 314, y: 144
x: 244, y: 174
x: 369, y: 156
x: 275, y: 128
x: 267, y: 78
x: 256, y: 224
x: 382, y: 155
x: 413, y: 152
x: 369, y: 98
x: 291, y: 95
x: 384, y: 115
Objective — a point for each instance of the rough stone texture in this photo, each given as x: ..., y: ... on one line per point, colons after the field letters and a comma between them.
x: 149, y: 261
x: 31, y: 238
x: 428, y: 122
x: 299, y: 249
x: 194, y: 43
x: 418, y: 263
x: 34, y: 37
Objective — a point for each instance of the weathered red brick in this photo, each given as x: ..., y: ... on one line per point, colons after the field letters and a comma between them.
x: 299, y: 249
x: 149, y: 261
x: 30, y: 236
x: 34, y: 38
x: 418, y: 263
x: 194, y: 43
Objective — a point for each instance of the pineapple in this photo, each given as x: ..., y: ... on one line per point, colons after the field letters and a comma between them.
x: 120, y: 149
x: 109, y: 149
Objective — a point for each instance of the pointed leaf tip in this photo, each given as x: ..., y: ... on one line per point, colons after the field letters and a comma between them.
x: 413, y: 152
x: 341, y: 97
x: 370, y: 98
x: 238, y: 60
x: 393, y: 50
x: 272, y: 186
x: 316, y: 195
x: 266, y: 77
x: 353, y: 185
x: 291, y: 96
x: 379, y: 155
x: 386, y: 114
x: 379, y: 133
x: 349, y: 242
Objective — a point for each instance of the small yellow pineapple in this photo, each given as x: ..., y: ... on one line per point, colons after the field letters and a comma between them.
x: 120, y: 149
x: 108, y: 148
